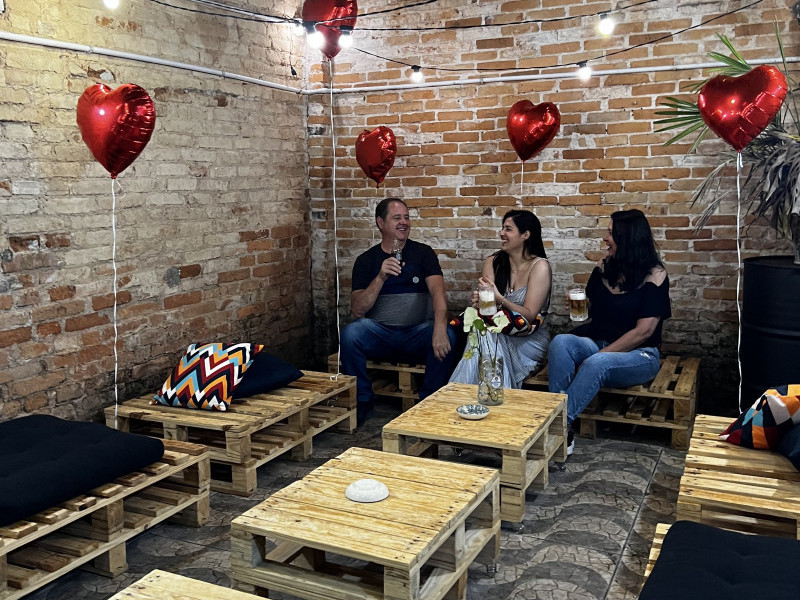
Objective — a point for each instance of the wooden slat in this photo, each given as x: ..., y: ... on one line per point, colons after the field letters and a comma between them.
x: 160, y: 585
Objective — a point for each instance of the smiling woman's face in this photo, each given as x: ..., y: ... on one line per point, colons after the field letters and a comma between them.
x: 608, y: 238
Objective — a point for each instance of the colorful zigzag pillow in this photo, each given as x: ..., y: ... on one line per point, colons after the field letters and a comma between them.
x: 207, y: 375
x: 765, y: 423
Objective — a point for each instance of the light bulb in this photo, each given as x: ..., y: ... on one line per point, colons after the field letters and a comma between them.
x: 111, y: 4
x: 584, y: 71
x: 606, y: 24
x: 416, y: 74
x: 346, y: 39
x: 316, y: 40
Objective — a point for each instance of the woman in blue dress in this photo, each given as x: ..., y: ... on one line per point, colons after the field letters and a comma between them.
x: 520, y: 277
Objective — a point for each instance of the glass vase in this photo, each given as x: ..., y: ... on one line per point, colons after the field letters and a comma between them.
x: 490, y: 381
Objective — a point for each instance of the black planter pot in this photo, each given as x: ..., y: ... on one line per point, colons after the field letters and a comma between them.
x: 770, y: 351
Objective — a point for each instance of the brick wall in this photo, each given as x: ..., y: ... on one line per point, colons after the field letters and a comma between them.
x: 459, y: 173
x: 213, y: 240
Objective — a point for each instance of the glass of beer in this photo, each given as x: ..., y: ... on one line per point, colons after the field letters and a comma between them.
x: 486, y: 304
x: 578, y: 308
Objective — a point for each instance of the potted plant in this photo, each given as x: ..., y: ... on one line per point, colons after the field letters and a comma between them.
x: 771, y: 161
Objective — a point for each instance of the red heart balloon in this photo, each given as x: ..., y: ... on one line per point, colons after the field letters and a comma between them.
x: 375, y: 152
x: 334, y: 12
x: 116, y: 125
x: 737, y: 109
x: 530, y: 128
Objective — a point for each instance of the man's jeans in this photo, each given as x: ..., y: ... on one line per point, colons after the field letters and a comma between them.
x: 365, y: 339
x: 578, y: 368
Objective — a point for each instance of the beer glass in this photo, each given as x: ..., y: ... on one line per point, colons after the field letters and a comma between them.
x: 578, y: 309
x: 486, y: 304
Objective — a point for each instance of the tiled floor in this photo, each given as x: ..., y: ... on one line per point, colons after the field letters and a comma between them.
x: 586, y: 537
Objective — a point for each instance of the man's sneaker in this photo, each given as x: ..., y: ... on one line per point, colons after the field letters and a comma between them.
x: 570, y: 443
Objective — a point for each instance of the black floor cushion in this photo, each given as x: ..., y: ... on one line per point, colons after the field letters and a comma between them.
x: 706, y: 563
x: 46, y: 460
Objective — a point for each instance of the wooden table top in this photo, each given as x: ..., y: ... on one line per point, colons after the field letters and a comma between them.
x: 427, y: 499
x: 160, y: 584
x: 512, y: 425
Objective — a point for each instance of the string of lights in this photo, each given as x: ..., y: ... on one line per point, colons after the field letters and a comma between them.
x: 605, y: 26
x: 584, y: 70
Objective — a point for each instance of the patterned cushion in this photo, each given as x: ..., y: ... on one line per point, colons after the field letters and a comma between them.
x: 767, y: 421
x: 517, y: 324
x: 207, y: 375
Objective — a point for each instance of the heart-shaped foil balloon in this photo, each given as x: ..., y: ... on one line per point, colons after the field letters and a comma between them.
x: 530, y: 128
x: 375, y: 152
x: 116, y: 124
x: 737, y: 109
x: 330, y: 15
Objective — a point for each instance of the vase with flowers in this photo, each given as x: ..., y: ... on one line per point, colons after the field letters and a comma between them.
x: 482, y: 332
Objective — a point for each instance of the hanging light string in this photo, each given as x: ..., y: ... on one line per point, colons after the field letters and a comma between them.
x: 247, y: 15
x: 335, y: 237
x: 114, y: 287
x: 578, y: 63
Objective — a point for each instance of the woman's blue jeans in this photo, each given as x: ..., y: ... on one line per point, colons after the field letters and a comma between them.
x: 578, y: 368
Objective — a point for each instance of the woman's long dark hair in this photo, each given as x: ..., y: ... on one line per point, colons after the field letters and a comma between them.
x: 636, y: 254
x: 525, y: 220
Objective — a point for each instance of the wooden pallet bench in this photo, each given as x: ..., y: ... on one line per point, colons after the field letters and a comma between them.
x: 163, y: 585
x: 254, y: 430
x: 90, y: 531
x: 669, y: 401
x: 655, y: 549
x: 390, y: 379
x: 728, y: 486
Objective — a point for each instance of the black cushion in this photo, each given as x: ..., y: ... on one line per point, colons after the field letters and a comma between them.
x: 699, y: 562
x: 267, y: 373
x: 790, y: 446
x: 47, y: 460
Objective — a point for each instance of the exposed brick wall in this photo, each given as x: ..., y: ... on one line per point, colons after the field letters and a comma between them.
x: 459, y: 173
x: 213, y: 240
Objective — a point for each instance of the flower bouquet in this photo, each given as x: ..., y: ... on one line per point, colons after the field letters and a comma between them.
x: 490, y: 366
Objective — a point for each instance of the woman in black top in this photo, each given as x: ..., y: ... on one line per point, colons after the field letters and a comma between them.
x: 628, y: 294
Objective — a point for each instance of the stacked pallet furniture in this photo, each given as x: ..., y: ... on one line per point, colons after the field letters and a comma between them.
x: 416, y: 544
x: 390, y: 379
x: 90, y: 531
x: 655, y: 549
x: 728, y: 486
x: 163, y: 585
x: 669, y: 401
x: 254, y: 430
x: 528, y: 430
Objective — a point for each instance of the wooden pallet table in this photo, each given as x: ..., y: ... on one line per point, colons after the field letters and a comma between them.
x: 162, y: 585
x: 393, y: 380
x: 667, y: 402
x: 90, y: 531
x: 254, y: 430
x: 416, y: 544
x: 528, y: 430
x: 752, y: 491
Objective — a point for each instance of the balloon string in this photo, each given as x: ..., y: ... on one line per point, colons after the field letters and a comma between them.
x: 335, y: 238
x: 522, y: 183
x: 114, y: 268
x: 739, y: 271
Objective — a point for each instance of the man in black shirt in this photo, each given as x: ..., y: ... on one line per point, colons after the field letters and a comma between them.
x: 400, y: 307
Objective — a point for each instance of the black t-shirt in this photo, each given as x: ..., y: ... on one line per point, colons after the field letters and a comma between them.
x: 613, y: 315
x: 404, y: 299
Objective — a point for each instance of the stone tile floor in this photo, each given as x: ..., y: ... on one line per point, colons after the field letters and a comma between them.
x: 586, y: 537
